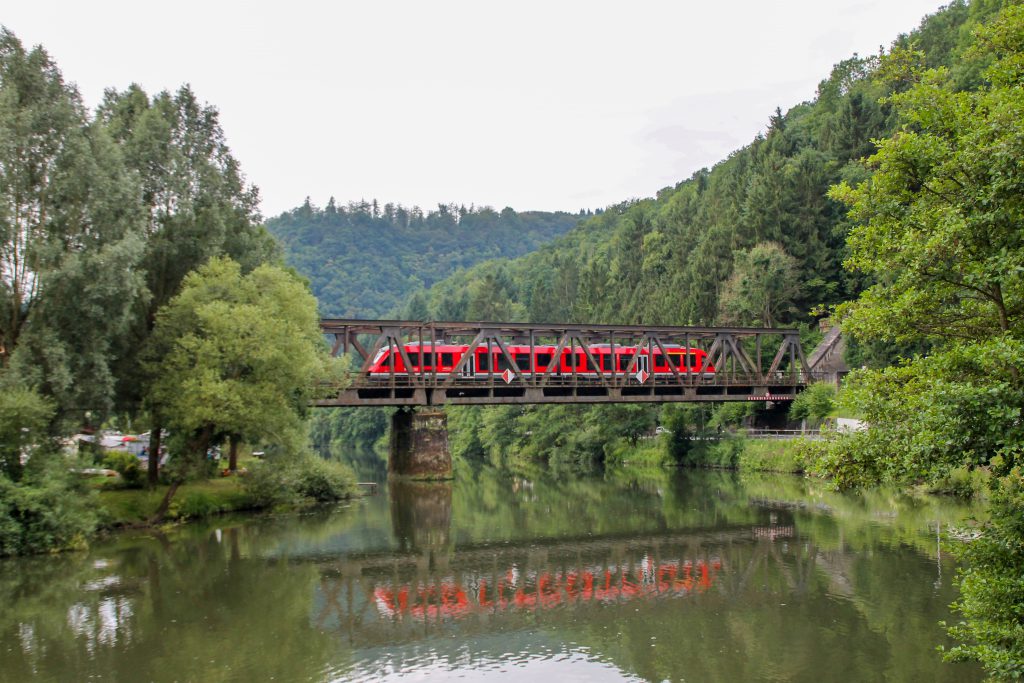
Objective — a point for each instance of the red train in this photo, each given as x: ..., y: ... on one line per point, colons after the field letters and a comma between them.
x: 443, y: 358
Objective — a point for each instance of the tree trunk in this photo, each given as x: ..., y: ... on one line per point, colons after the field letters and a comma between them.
x: 233, y: 453
x: 154, y: 452
x: 165, y: 504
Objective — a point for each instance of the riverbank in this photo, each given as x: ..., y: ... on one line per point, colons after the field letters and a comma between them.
x: 132, y: 507
x: 733, y: 451
x: 260, y: 486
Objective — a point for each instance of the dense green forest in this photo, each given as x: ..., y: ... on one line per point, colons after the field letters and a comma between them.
x: 363, y: 259
x: 755, y: 240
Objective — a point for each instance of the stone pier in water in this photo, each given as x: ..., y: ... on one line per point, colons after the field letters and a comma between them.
x: 419, y: 445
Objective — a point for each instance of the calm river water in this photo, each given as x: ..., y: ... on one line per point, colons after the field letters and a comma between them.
x: 695, y: 576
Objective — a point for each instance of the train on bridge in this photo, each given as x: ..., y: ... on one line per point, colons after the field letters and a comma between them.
x: 444, y: 359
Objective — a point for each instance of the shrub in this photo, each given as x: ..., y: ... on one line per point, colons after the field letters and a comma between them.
x: 324, y: 481
x: 24, y: 416
x: 268, y: 483
x: 47, y: 511
x: 992, y: 587
x: 813, y: 403
x: 962, y: 482
x: 125, y: 464
x: 277, y: 481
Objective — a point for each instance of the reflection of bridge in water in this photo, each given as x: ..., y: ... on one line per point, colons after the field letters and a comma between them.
x: 387, y: 597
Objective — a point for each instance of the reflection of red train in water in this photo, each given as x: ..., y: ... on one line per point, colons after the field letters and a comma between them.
x: 545, y: 589
x: 442, y: 359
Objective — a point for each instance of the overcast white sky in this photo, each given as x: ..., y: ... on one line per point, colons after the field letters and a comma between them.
x: 535, y: 105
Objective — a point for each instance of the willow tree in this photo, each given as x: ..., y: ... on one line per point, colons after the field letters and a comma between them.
x: 70, y: 237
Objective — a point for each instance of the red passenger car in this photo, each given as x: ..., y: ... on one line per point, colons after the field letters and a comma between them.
x: 443, y: 359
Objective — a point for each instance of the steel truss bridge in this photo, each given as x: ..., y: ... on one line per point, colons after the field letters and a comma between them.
x: 750, y: 364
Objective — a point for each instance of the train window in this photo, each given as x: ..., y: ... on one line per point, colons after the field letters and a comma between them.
x: 624, y: 361
x: 523, y: 361
x: 428, y: 359
x: 659, y: 361
x: 544, y: 360
x: 483, y: 362
x: 447, y: 360
x: 676, y: 359
x: 585, y: 362
x: 692, y: 360
x: 503, y: 363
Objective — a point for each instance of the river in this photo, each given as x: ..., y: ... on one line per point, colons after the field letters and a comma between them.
x: 680, y: 576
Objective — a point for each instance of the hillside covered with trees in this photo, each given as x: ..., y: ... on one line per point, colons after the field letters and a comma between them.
x: 363, y: 259
x: 755, y: 240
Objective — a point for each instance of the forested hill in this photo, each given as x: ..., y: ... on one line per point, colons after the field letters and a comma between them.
x: 364, y: 259
x: 754, y: 240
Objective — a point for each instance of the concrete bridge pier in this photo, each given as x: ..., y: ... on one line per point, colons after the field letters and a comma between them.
x: 419, y: 445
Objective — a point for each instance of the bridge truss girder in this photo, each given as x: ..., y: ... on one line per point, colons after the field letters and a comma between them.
x: 743, y: 370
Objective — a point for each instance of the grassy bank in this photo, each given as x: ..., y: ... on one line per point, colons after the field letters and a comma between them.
x: 769, y: 455
x: 131, y: 506
x: 295, y: 484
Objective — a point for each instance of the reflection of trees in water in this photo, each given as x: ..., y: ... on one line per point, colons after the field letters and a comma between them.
x: 199, y: 608
x: 807, y: 581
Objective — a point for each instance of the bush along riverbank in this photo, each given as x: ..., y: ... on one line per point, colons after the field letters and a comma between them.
x: 63, y: 511
x: 261, y: 485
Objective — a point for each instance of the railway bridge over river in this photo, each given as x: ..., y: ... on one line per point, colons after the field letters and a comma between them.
x: 749, y: 363
x: 526, y: 363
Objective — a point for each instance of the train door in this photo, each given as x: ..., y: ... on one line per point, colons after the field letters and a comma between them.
x: 643, y: 363
x: 469, y: 369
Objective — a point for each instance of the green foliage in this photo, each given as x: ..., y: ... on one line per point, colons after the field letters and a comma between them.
x: 70, y: 236
x: 196, y: 505
x: 928, y: 416
x: 963, y: 482
x: 992, y: 587
x: 196, y: 202
x: 325, y: 481
x: 24, y: 421
x: 771, y: 455
x: 238, y: 354
x: 125, y: 464
x: 814, y: 403
x: 676, y: 418
x: 762, y: 288
x: 731, y: 415
x: 48, y: 510
x: 363, y: 259
x: 938, y: 230
x: 288, y: 482
x: 938, y: 223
